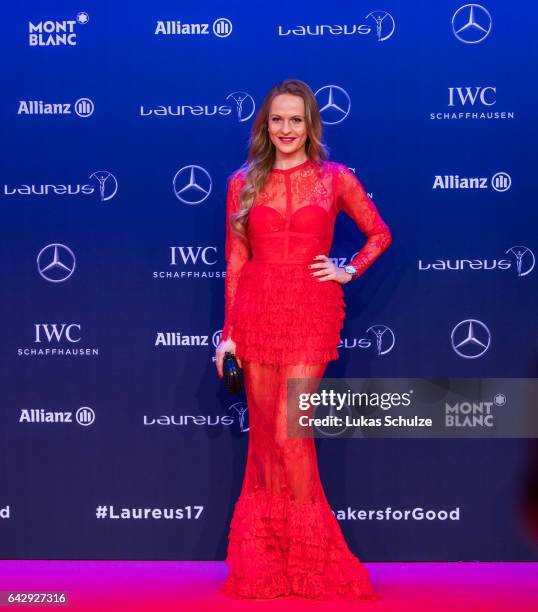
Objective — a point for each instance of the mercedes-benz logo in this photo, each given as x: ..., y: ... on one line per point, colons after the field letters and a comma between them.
x: 192, y: 184
x: 108, y: 184
x: 56, y: 262
x: 471, y: 23
x: 470, y: 338
x: 334, y: 104
x: 244, y: 104
x: 522, y: 253
x: 384, y: 338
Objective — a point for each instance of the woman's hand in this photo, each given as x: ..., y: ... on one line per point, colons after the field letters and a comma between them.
x: 326, y: 270
x: 224, y: 345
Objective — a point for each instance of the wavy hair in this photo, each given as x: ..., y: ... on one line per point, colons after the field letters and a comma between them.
x: 262, y: 152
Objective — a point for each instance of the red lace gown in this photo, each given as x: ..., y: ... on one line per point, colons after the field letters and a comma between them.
x: 284, y: 539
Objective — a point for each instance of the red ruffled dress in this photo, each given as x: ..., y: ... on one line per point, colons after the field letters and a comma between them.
x: 284, y: 539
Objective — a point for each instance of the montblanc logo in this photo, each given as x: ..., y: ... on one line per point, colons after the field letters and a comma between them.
x: 523, y: 262
x: 500, y: 181
x: 83, y: 107
x: 191, y: 262
x: 472, y: 102
x: 379, y: 23
x: 105, y: 185
x: 471, y: 415
x: 221, y: 28
x: 381, y: 340
x: 84, y: 416
x: 55, y: 33
x: 238, y: 104
x: 57, y: 340
x: 179, y: 339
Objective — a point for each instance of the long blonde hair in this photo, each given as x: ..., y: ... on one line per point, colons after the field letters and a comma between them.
x: 262, y: 152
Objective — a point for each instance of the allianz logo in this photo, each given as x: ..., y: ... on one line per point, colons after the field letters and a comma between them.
x: 83, y: 107
x: 523, y: 262
x: 501, y: 181
x: 221, y: 27
x: 179, y: 339
x: 84, y: 416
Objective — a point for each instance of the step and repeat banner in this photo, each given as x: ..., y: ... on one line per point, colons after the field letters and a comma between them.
x: 121, y: 123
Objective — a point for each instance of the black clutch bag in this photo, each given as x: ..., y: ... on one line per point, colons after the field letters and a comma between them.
x: 232, y: 373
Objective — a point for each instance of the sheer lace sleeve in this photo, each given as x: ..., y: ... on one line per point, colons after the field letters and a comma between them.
x: 351, y: 197
x: 237, y: 253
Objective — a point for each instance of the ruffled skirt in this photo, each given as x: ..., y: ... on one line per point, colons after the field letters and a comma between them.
x: 283, y: 315
x: 282, y: 547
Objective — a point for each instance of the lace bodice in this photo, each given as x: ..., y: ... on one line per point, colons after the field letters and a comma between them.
x: 293, y: 219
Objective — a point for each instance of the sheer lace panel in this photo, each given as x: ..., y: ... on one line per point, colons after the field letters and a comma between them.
x: 293, y: 218
x: 237, y: 253
x: 351, y: 197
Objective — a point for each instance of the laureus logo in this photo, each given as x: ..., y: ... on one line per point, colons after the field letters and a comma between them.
x: 239, y: 104
x: 382, y: 339
x: 379, y: 23
x: 523, y: 263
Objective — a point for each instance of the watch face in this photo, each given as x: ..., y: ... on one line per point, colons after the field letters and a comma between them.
x: 350, y: 269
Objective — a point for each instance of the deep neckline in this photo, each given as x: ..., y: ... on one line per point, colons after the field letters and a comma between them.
x: 286, y: 170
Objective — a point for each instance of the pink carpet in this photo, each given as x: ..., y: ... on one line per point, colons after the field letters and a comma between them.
x: 166, y: 585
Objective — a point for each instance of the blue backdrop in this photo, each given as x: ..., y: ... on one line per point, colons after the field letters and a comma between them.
x: 121, y: 123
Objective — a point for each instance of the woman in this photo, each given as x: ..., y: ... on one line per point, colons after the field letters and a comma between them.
x: 284, y: 310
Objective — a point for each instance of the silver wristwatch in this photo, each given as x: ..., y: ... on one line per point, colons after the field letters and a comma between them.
x: 351, y: 270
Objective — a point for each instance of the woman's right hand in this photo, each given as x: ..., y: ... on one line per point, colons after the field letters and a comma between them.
x: 224, y: 345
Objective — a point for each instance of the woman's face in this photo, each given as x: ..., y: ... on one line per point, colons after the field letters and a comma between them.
x: 287, y: 124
